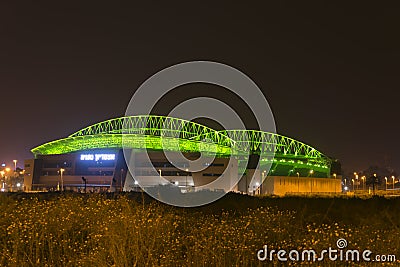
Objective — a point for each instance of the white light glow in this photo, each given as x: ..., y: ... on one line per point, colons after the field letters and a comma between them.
x: 87, y: 157
x: 98, y: 157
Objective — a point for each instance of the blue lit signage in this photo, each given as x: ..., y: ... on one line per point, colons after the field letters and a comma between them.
x: 98, y: 157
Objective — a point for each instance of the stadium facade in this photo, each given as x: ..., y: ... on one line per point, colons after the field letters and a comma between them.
x: 93, y: 159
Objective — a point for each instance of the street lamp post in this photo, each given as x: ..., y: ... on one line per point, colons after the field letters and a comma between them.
x: 374, y: 182
x: 363, y: 181
x: 262, y: 180
x: 355, y: 177
x: 61, y: 177
x: 15, y: 165
x: 358, y: 184
x: 393, y: 184
x: 353, y: 184
x: 385, y: 183
x: 312, y: 180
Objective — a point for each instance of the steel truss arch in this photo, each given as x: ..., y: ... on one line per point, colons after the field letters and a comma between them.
x: 165, y: 133
x: 268, y: 144
x: 168, y: 133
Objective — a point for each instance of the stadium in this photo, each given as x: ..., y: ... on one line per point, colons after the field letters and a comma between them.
x: 93, y: 159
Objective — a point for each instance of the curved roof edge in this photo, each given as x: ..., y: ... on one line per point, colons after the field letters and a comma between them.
x: 168, y: 133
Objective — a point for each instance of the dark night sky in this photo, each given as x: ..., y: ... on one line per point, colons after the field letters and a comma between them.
x: 329, y: 71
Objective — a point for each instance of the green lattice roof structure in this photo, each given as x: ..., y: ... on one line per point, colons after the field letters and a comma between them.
x: 160, y: 133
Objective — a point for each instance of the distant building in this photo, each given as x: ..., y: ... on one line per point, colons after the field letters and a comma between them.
x: 11, y: 180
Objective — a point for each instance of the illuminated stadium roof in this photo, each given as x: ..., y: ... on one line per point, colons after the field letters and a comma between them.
x: 174, y: 134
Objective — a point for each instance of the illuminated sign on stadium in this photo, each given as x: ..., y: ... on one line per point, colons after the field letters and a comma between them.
x: 98, y: 157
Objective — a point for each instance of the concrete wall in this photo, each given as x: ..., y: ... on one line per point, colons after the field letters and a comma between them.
x: 248, y: 182
x: 226, y: 176
x: 208, y: 177
x: 74, y: 180
x: 280, y: 185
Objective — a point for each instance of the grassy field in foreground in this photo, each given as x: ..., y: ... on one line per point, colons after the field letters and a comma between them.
x: 133, y: 230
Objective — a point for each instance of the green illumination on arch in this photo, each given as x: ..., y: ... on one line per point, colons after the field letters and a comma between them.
x: 142, y: 132
x: 80, y: 143
x: 278, y: 150
x: 156, y: 126
x: 167, y: 133
x: 267, y: 144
